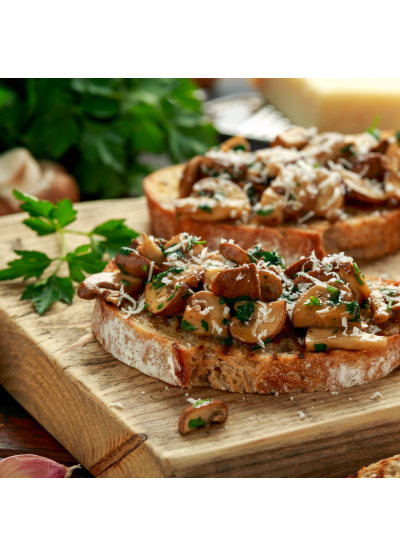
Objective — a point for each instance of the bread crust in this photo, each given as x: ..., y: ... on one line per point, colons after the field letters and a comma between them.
x: 366, y: 235
x: 162, y: 350
x: 384, y: 469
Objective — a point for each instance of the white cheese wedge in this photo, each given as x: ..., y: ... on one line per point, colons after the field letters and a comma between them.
x: 335, y: 104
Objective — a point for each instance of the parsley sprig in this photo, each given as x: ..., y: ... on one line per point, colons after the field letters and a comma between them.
x: 45, y: 218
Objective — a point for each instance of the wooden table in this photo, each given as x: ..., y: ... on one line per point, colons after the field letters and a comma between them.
x: 56, y: 369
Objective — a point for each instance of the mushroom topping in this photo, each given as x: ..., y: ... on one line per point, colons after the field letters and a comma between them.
x: 271, y: 286
x: 191, y: 175
x: 362, y: 190
x: 392, y: 185
x: 385, y: 304
x: 234, y: 253
x: 201, y: 414
x: 129, y: 261
x: 235, y: 144
x: 330, y: 197
x: 210, y: 275
x: 303, y: 265
x: 392, y: 157
x: 166, y: 295
x: 205, y: 316
x: 213, y: 200
x: 258, y: 322
x: 351, y: 275
x: 322, y: 306
x: 150, y: 250
x: 183, y: 246
x: 107, y: 285
x: 271, y: 208
x: 237, y: 282
x: 371, y: 166
x: 321, y: 339
x: 294, y: 137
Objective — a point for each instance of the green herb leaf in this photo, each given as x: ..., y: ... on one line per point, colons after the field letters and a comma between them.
x: 41, y: 227
x: 270, y: 258
x: 313, y: 301
x: 204, y: 324
x: 116, y: 234
x: 200, y: 402
x: 226, y: 341
x: 31, y: 264
x: 226, y: 322
x: 353, y: 308
x: 64, y: 213
x: 48, y: 291
x: 320, y: 347
x: 205, y: 208
x: 194, y: 423
x: 373, y: 129
x: 245, y: 311
x: 265, y: 211
x: 233, y: 300
x: 187, y: 326
x: 157, y: 283
x: 79, y: 260
x: 33, y: 206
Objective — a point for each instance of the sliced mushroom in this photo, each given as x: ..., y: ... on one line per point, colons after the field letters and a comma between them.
x: 234, y: 253
x: 370, y: 166
x: 265, y: 322
x: 294, y: 137
x: 392, y: 157
x: 108, y: 285
x: 150, y: 250
x: 321, y: 339
x: 205, y: 313
x: 271, y: 286
x: 213, y: 200
x: 191, y: 175
x: 379, y: 307
x: 271, y: 209
x: 235, y: 144
x: 303, y: 265
x: 210, y: 275
x: 351, y: 275
x: 392, y: 185
x: 237, y: 282
x: 202, y: 414
x: 129, y: 261
x: 330, y: 199
x: 362, y: 190
x: 167, y: 295
x: 321, y: 307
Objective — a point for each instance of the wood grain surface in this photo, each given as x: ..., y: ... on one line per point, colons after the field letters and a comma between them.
x: 56, y: 369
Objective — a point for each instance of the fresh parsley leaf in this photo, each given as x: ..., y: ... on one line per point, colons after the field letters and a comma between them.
x: 33, y: 206
x: 320, y: 347
x: 157, y: 283
x: 205, y: 208
x: 255, y: 348
x: 31, y: 264
x: 389, y: 307
x: 265, y: 211
x: 187, y: 326
x: 373, y: 129
x: 245, y: 311
x: 270, y: 258
x: 64, y: 213
x: 79, y: 260
x: 353, y: 308
x: 226, y: 341
x: 226, y: 322
x: 358, y: 274
x: 233, y: 300
x: 41, y: 227
x: 48, y: 291
x: 335, y: 295
x: 397, y: 135
x: 313, y: 301
x: 116, y: 234
x: 204, y: 324
x: 160, y: 306
x: 194, y: 423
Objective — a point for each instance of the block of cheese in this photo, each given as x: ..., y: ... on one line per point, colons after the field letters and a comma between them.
x: 335, y: 104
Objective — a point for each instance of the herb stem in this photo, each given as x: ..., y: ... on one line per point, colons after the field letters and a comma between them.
x: 88, y: 234
x: 63, y: 251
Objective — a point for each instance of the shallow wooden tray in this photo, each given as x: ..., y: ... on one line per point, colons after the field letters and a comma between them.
x: 56, y: 369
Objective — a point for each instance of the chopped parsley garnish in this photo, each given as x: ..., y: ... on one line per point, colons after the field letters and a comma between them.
x: 199, y: 402
x: 313, y: 301
x: 265, y: 211
x: 194, y: 423
x: 201, y: 193
x: 160, y: 306
x: 245, y: 311
x: 126, y: 251
x: 125, y: 283
x: 171, y: 297
x: 358, y: 274
x: 187, y: 326
x: 320, y: 347
x: 204, y: 324
x: 157, y: 283
x: 373, y: 129
x: 226, y: 341
x: 145, y: 268
x: 234, y: 300
x: 353, y: 308
x: 226, y: 322
x: 389, y: 307
x: 255, y: 348
x: 270, y: 258
x: 335, y: 297
x: 205, y: 208
x: 239, y: 148
x: 348, y: 149
x: 317, y: 165
x: 365, y: 304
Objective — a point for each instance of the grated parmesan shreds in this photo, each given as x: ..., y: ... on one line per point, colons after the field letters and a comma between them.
x: 376, y: 395
x: 137, y: 306
x: 150, y: 276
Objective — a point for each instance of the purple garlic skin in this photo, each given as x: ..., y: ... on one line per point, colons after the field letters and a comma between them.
x: 29, y: 466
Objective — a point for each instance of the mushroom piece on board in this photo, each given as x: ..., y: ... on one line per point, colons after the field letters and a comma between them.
x: 201, y: 414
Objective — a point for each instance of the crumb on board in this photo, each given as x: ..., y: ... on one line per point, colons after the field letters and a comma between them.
x: 334, y: 393
x: 116, y: 404
x: 301, y: 414
x: 143, y: 392
x: 377, y: 395
x: 166, y: 388
x: 291, y: 399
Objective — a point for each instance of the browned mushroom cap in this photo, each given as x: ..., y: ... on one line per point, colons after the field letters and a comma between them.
x: 150, y: 250
x: 108, y: 284
x: 167, y: 295
x: 271, y: 210
x: 294, y: 137
x: 271, y: 286
x: 202, y: 414
x: 371, y: 166
x: 352, y: 276
x: 207, y: 316
x: 320, y: 339
x: 318, y: 307
x: 329, y: 200
x: 235, y: 144
x: 234, y: 253
x: 134, y: 264
x: 379, y: 307
x: 191, y: 175
x: 237, y: 282
x: 392, y: 185
x: 381, y: 147
x: 265, y: 321
x: 362, y: 190
x: 392, y: 157
x: 210, y: 275
x: 303, y: 265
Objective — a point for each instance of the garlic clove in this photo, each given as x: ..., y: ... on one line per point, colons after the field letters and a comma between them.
x: 29, y: 466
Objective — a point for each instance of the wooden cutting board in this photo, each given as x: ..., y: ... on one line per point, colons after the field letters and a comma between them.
x: 55, y: 368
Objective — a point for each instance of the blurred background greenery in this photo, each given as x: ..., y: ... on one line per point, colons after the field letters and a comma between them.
x: 101, y: 130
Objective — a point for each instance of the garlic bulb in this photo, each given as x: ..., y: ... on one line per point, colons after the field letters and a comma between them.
x: 29, y: 466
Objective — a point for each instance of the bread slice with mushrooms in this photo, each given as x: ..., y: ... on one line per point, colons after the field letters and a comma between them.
x: 385, y: 469
x: 325, y: 193
x: 318, y: 331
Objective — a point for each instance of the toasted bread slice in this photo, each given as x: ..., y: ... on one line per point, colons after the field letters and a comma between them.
x: 384, y: 469
x: 363, y: 235
x: 161, y: 349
